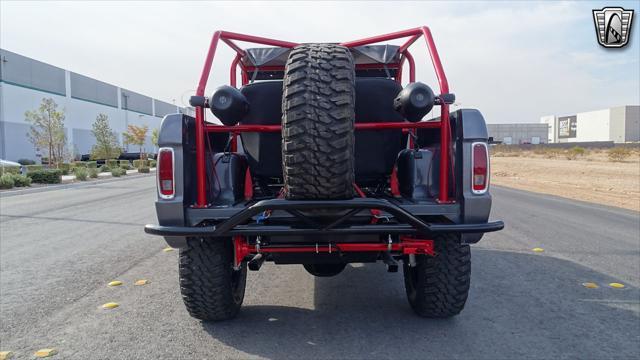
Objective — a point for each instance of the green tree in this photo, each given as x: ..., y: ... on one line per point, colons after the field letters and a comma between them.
x: 154, y: 136
x: 136, y: 135
x: 47, y: 130
x: 107, y: 146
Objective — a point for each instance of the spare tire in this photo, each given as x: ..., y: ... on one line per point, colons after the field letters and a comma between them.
x: 318, y: 115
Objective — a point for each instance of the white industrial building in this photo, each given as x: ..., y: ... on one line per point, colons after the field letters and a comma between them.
x: 618, y: 124
x: 518, y: 133
x: 24, y: 82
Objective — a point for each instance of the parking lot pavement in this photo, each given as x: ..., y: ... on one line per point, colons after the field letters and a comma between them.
x: 59, y: 250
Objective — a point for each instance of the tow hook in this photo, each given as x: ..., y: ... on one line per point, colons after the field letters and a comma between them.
x: 256, y: 262
x: 392, y: 265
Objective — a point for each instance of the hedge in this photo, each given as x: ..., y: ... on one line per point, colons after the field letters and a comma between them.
x: 31, y: 168
x: 52, y: 176
x: 152, y: 163
x: 80, y: 164
x: 117, y: 172
x: 112, y: 163
x: 140, y: 163
x: 143, y: 169
x: 9, y: 170
x: 21, y: 180
x: 92, y: 164
x: 104, y: 168
x: 6, y: 181
x: 65, y: 168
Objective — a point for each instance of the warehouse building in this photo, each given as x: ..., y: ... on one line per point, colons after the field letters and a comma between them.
x: 25, y: 82
x: 511, y: 134
x: 618, y: 124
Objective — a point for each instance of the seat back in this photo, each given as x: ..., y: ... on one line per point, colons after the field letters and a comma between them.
x: 376, y: 150
x: 263, y: 150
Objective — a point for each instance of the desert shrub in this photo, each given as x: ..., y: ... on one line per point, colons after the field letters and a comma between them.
x: 104, y: 168
x: 52, y: 176
x: 26, y: 162
x: 33, y: 167
x: 138, y: 163
x: 144, y: 169
x: 125, y: 166
x: 9, y: 170
x: 117, y: 172
x: 152, y: 163
x: 575, y: 152
x: 21, y: 180
x: 93, y: 173
x: 539, y: 150
x: 82, y: 164
x: 502, y: 150
x: 111, y: 163
x: 6, y: 181
x: 618, y: 153
x: 92, y: 164
x: 81, y: 173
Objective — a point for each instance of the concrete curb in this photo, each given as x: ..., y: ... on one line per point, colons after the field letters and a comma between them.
x: 11, y: 193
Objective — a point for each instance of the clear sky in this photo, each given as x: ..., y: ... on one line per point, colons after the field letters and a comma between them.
x: 513, y: 61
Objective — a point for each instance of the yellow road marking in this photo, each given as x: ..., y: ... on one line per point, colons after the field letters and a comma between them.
x: 115, y: 283
x: 616, y: 285
x: 42, y: 353
x: 167, y: 249
x: 6, y: 355
x: 110, y: 305
x: 590, y: 285
x: 141, y: 282
x: 537, y: 249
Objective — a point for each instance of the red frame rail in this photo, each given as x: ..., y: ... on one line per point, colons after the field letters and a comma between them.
x: 405, y: 246
x: 413, y: 35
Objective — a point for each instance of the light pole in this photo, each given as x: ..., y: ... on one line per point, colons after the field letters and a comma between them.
x: 125, y: 97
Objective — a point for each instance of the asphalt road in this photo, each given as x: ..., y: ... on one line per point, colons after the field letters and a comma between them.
x: 59, y: 249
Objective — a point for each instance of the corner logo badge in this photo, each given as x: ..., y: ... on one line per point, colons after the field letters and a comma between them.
x: 613, y: 26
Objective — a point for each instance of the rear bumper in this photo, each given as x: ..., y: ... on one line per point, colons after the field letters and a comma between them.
x: 404, y: 222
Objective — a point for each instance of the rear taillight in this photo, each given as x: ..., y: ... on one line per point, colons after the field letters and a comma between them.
x: 166, y: 180
x: 480, y: 168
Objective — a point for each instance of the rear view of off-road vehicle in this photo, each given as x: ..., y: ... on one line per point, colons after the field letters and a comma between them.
x: 323, y: 159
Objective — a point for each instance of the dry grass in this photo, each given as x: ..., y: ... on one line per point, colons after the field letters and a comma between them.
x: 606, y: 176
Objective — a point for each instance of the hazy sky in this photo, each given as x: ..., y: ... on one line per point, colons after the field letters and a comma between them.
x: 513, y: 61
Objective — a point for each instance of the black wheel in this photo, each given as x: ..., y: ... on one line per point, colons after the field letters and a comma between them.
x: 211, y: 289
x: 318, y: 112
x: 324, y: 270
x: 438, y: 286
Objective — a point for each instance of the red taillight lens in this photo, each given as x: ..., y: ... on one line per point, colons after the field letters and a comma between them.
x: 480, y: 173
x: 166, y: 185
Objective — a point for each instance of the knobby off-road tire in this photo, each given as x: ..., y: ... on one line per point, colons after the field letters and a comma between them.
x: 318, y: 117
x: 211, y: 289
x: 439, y: 285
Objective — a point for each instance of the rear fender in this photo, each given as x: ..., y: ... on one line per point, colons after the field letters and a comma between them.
x: 469, y: 127
x: 171, y: 211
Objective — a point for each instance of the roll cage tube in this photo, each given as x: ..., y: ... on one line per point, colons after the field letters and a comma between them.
x: 412, y: 34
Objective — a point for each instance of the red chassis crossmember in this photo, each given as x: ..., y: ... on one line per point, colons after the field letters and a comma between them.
x: 406, y: 246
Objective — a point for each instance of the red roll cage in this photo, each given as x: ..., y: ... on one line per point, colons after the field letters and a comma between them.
x: 412, y: 35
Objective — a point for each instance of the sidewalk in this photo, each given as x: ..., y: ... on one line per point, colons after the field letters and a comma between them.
x: 66, y: 179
